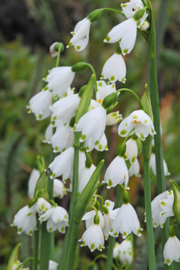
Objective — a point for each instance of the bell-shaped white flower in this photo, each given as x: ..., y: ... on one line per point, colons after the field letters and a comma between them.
x: 140, y: 122
x: 42, y: 206
x: 84, y: 177
x: 65, y: 109
x: 129, y: 9
x: 102, y: 146
x: 125, y: 252
x: 52, y: 50
x: 131, y: 150
x: 152, y: 164
x: 25, y: 220
x: 116, y: 250
x: 32, y: 182
x: 53, y: 265
x: 114, y: 69
x: 92, y: 124
x: 59, y: 80
x: 57, y: 219
x: 113, y: 118
x: 48, y: 134
x: 80, y: 34
x: 63, y: 164
x: 108, y: 218
x: 172, y: 250
x: 89, y: 218
x: 144, y: 26
x: 103, y: 90
x: 39, y: 105
x: 125, y: 222
x: 93, y: 238
x: 161, y: 207
x: 16, y: 266
x: 117, y: 173
x: 63, y: 138
x: 59, y: 189
x: 134, y: 169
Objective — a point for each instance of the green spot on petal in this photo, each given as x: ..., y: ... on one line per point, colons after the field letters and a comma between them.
x: 92, y: 246
x: 110, y: 183
x: 54, y: 118
x: 133, y: 159
x: 123, y: 132
x: 168, y: 261
x: 65, y: 216
x: 145, y: 121
x: 56, y: 148
x: 152, y: 130
x: 112, y: 78
x: 50, y: 229
x: 116, y: 234
x: 83, y: 137
x: 39, y: 116
x: 162, y: 203
x: 96, y: 143
x: 142, y: 136
x: 124, y: 234
x: 62, y: 229
x: 45, y: 88
x: 100, y: 147
x: 125, y: 51
x: 53, y: 175
x: 107, y: 204
x: 78, y: 47
x: 100, y: 84
x: 20, y: 230
x: 29, y: 214
x: 107, y: 39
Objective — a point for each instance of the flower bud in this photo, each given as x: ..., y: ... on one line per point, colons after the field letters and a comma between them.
x: 138, y: 15
x: 125, y: 197
x: 95, y: 15
x: 176, y: 204
x: 109, y: 100
x: 79, y: 66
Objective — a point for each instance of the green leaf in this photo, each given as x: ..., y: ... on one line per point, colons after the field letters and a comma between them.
x: 176, y: 204
x: 87, y: 193
x: 146, y: 102
x: 14, y: 257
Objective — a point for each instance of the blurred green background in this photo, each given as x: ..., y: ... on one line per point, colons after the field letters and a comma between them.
x: 27, y: 29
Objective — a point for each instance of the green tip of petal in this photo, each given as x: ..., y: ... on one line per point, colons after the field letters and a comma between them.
x: 92, y: 246
x: 63, y: 229
x: 123, y: 132
x: 112, y: 78
x: 125, y: 51
x: 78, y: 47
x: 100, y: 84
x: 110, y: 183
x: 107, y: 39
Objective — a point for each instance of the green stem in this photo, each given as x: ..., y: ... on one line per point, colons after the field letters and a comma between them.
x: 73, y: 229
x: 113, y: 10
x: 58, y: 57
x: 112, y: 239
x: 153, y: 84
x: 93, y: 71
x: 134, y: 94
x: 104, y: 257
x: 45, y: 247
x: 147, y: 197
x: 21, y: 265
x: 36, y: 248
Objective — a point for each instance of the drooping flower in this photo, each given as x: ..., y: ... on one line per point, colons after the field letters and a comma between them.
x: 53, y: 265
x: 114, y: 69
x: 48, y: 134
x: 113, y: 118
x: 103, y: 90
x: 59, y: 189
x: 125, y: 222
x: 134, y: 169
x: 117, y: 173
x: 32, y: 182
x: 116, y: 250
x: 80, y: 34
x: 172, y: 250
x: 65, y: 109
x: 102, y: 146
x: 93, y: 238
x: 84, y: 177
x: 125, y: 252
x: 152, y: 164
x: 63, y: 138
x: 63, y: 164
x: 57, y: 219
x: 92, y: 124
x: 89, y: 218
x: 42, y: 206
x: 129, y: 9
x: 59, y: 80
x: 109, y: 216
x: 39, y: 104
x: 53, y: 52
x: 25, y: 220
x: 17, y: 264
x: 140, y: 122
x: 131, y: 150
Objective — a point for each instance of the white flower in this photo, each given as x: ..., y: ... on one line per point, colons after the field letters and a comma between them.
x: 32, y: 182
x: 57, y: 219
x: 117, y: 173
x: 125, y: 222
x: 53, y: 265
x: 103, y: 90
x: 102, y: 146
x: 59, y: 79
x: 89, y: 218
x: 48, y: 134
x: 144, y: 26
x: 65, y: 109
x: 131, y: 150
x: 39, y: 105
x: 52, y: 50
x: 129, y: 9
x: 140, y: 122
x: 16, y: 266
x: 93, y: 238
x: 114, y: 69
x: 162, y: 208
x: 59, y: 189
x: 108, y: 218
x: 25, y: 220
x: 80, y: 35
x: 116, y: 250
x: 172, y: 250
x: 92, y: 124
x: 84, y: 177
x: 125, y: 252
x: 63, y: 164
x: 135, y: 169
x: 63, y: 138
x: 42, y: 206
x: 152, y: 165
x: 113, y: 118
